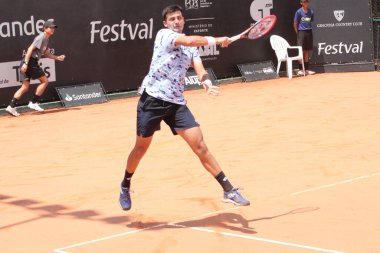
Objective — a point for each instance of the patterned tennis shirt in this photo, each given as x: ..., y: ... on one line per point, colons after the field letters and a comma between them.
x: 166, y: 77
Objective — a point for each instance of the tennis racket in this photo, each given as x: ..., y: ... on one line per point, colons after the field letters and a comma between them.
x: 257, y: 30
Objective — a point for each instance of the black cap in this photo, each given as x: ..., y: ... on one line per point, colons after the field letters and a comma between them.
x: 50, y: 23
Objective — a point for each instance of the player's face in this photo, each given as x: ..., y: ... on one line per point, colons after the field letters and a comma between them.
x: 305, y: 3
x: 175, y: 21
x: 50, y: 30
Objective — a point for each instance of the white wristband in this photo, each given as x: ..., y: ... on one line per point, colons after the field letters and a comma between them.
x: 211, y: 41
x: 207, y: 82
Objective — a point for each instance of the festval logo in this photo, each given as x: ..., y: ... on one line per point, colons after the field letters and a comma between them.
x: 191, y: 4
x: 68, y: 98
x: 260, y: 9
x: 339, y: 15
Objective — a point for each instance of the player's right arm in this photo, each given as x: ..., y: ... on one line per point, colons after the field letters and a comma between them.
x: 197, y: 41
x: 28, y: 54
x: 295, y: 26
x: 297, y: 19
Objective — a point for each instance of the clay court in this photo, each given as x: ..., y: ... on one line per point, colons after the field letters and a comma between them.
x: 305, y: 151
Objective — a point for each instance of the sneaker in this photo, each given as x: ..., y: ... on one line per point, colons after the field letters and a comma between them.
x: 235, y: 198
x: 12, y: 111
x: 300, y: 73
x: 310, y: 72
x: 35, y: 106
x: 125, y: 199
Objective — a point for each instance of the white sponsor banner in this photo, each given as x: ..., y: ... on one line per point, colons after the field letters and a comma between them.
x: 10, y: 76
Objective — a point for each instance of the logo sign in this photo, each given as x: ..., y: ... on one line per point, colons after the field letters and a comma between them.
x: 191, y: 4
x: 257, y: 71
x: 10, y: 72
x: 84, y: 94
x: 192, y: 81
x: 260, y: 9
x: 196, y: 4
x: 339, y: 15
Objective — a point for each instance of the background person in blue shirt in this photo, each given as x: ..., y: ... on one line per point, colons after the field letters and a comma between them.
x: 302, y: 25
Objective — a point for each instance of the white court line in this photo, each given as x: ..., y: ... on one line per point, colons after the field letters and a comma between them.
x: 63, y: 250
x: 175, y: 224
x: 294, y: 245
x: 335, y: 184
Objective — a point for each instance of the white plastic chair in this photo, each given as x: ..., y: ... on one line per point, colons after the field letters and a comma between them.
x: 281, y: 46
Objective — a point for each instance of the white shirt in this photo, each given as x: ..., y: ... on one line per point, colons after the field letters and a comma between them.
x: 166, y: 77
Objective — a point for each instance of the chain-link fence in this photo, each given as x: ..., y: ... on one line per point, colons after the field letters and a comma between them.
x: 376, y: 30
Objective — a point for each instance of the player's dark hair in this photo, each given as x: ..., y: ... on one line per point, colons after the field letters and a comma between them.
x: 170, y: 9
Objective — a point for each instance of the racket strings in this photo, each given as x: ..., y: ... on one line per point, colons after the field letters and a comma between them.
x: 260, y: 28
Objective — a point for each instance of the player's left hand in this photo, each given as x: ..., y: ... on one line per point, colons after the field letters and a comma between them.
x: 61, y: 57
x: 210, y: 89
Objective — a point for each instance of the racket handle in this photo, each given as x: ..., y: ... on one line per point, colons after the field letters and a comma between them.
x: 235, y: 38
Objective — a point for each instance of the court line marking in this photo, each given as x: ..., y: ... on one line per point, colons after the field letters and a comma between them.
x: 295, y: 245
x: 335, y: 184
x: 175, y: 224
x: 63, y: 250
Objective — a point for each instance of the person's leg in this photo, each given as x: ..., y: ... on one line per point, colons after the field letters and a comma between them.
x: 301, y: 42
x: 306, y: 59
x: 34, y: 103
x: 194, y: 137
x: 24, y: 88
x: 141, y: 146
x: 16, y: 97
x: 149, y: 116
x: 42, y: 86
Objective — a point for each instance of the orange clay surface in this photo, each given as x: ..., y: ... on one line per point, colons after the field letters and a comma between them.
x: 306, y: 151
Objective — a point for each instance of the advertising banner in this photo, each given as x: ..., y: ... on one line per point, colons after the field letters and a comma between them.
x: 342, y: 31
x: 111, y: 41
x: 84, y: 94
x: 257, y: 71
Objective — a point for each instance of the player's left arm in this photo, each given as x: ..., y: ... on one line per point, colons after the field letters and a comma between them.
x: 204, y: 78
x: 49, y: 55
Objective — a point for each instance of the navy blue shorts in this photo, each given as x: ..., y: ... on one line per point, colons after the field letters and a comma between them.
x: 151, y: 111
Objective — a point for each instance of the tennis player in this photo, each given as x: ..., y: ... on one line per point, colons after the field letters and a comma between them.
x: 303, y: 27
x: 30, y: 69
x: 162, y: 99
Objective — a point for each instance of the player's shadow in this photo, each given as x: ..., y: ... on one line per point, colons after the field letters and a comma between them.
x: 43, y: 210
x: 228, y: 221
